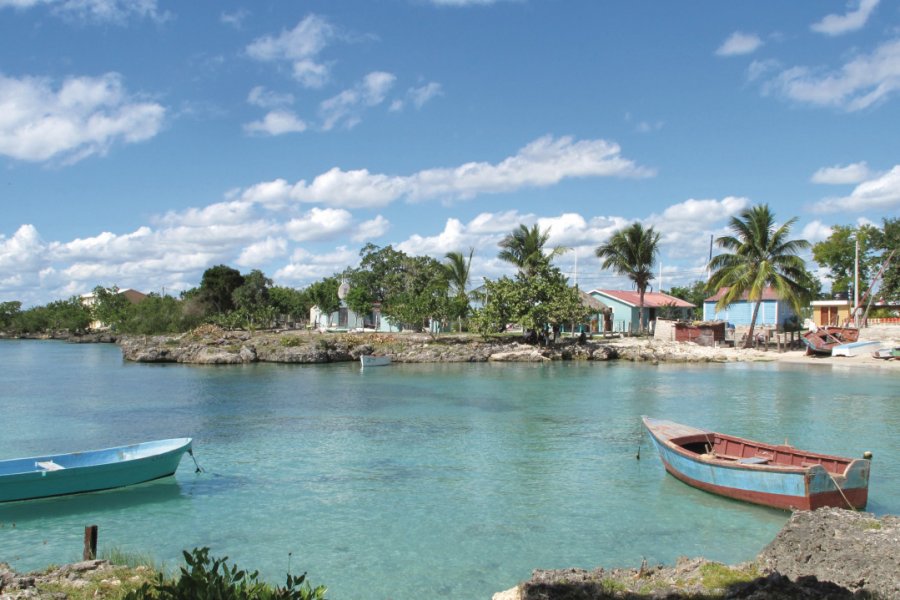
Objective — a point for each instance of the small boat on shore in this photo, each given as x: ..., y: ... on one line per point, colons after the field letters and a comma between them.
x: 822, y: 340
x: 93, y: 470
x: 372, y: 360
x: 887, y: 353
x: 779, y: 476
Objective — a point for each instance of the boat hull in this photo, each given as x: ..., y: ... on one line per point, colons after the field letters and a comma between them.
x: 777, y: 486
x: 368, y: 360
x: 63, y: 474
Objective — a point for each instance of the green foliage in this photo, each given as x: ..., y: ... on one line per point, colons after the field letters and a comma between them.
x: 160, y: 314
x: 694, y: 293
x: 290, y: 305
x: 65, y: 315
x: 524, y: 248
x: 421, y: 295
x: 758, y: 256
x: 206, y: 578
x: 715, y: 576
x: 110, y: 307
x: 217, y: 288
x: 253, y: 293
x: 8, y: 313
x: 631, y: 252
x: 885, y: 241
x: 838, y: 255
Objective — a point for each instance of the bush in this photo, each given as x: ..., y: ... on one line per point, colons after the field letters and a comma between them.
x: 207, y: 578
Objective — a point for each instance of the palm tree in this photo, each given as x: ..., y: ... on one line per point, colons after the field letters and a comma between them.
x: 457, y: 269
x: 760, y: 256
x: 524, y: 248
x: 631, y: 252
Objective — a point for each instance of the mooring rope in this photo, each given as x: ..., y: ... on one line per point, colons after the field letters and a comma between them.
x: 191, y: 452
x: 834, y: 481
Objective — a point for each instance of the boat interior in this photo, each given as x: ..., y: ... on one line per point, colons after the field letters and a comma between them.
x: 746, y: 452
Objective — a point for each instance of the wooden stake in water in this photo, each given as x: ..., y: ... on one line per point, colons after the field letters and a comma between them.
x: 90, y: 543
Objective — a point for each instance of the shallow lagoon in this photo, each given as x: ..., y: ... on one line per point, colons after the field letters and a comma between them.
x: 418, y: 480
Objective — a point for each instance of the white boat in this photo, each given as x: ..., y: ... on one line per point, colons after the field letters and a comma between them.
x: 372, y: 360
x: 847, y: 349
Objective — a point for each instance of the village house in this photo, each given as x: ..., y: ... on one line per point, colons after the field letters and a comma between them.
x: 773, y: 311
x: 624, y: 314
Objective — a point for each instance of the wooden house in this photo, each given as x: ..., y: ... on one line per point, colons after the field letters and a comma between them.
x: 625, y: 314
x: 773, y: 311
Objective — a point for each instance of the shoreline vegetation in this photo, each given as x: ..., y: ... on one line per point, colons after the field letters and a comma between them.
x: 828, y: 553
x: 213, y: 345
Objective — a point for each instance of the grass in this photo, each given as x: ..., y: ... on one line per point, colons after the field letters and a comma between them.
x: 111, y: 584
x: 715, y: 576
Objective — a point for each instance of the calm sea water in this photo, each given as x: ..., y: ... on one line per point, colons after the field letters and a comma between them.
x: 417, y: 481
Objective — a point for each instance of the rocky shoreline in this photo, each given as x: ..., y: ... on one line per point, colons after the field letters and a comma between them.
x: 828, y: 553
x: 213, y: 346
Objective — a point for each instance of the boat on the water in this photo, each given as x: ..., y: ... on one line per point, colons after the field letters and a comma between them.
x: 779, y: 476
x: 372, y: 360
x: 822, y: 340
x: 93, y: 470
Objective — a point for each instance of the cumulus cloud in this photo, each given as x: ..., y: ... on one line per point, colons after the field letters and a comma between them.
x: 864, y: 81
x: 265, y: 98
x: 83, y: 117
x: 260, y: 253
x: 419, y: 96
x: 851, y: 21
x: 815, y: 231
x: 319, y: 224
x: 347, y: 107
x: 276, y: 122
x: 300, y: 47
x: 879, y: 193
x: 544, y: 162
x: 840, y: 175
x: 371, y: 229
x: 306, y: 266
x: 739, y: 43
x: 686, y: 226
x: 116, y: 12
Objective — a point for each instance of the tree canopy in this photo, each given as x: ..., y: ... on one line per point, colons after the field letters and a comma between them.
x: 632, y: 252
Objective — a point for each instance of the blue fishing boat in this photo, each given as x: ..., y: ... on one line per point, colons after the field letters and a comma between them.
x: 60, y: 474
x: 779, y: 476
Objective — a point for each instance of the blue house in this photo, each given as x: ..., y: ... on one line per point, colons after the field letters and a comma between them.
x: 625, y: 313
x: 773, y: 312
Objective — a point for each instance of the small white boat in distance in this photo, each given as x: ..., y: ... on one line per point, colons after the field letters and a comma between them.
x: 372, y: 360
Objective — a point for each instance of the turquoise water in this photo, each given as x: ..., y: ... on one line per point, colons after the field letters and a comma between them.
x: 417, y: 481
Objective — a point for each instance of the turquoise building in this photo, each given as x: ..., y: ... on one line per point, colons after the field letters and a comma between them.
x: 625, y: 313
x: 773, y: 312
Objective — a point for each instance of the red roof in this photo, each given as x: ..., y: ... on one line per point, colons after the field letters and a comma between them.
x: 651, y: 299
x: 768, y: 294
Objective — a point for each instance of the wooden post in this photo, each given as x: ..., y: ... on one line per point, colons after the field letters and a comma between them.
x: 90, y: 543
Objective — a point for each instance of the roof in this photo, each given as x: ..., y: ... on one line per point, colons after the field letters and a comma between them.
x: 651, y: 299
x: 591, y: 302
x: 768, y: 294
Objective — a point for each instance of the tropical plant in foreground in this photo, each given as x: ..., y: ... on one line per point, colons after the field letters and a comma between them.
x: 758, y: 256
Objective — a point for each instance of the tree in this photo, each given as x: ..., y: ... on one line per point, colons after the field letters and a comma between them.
x: 524, y: 248
x: 290, y: 304
x: 885, y: 241
x: 694, y: 293
x: 8, y: 313
x: 457, y: 268
x: 631, y: 252
x: 323, y: 295
x: 838, y: 255
x: 420, y: 295
x: 500, y: 300
x: 217, y: 288
x: 759, y: 255
x: 110, y: 307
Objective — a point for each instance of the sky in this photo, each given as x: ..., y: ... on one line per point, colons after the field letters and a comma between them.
x: 144, y: 141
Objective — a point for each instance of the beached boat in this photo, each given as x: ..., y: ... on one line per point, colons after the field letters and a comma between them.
x: 887, y: 353
x: 779, y: 476
x: 371, y: 360
x: 823, y: 339
x: 60, y: 474
x: 851, y: 348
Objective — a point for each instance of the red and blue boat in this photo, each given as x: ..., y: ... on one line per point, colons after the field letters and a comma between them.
x: 779, y: 476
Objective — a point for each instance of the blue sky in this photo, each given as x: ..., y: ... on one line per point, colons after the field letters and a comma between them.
x: 144, y: 141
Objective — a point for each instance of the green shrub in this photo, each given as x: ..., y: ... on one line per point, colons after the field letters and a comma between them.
x: 206, y: 578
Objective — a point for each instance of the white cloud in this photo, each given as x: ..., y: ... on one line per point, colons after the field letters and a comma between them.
x: 371, y: 229
x: 83, y: 117
x: 235, y: 19
x: 319, y: 224
x: 544, y: 162
x: 264, y: 98
x: 276, y: 122
x: 24, y: 250
x: 300, y: 46
x: 851, y: 21
x: 840, y: 175
x: 96, y: 11
x: 860, y: 83
x: 347, y: 107
x: 685, y: 227
x: 259, y: 253
x: 815, y: 231
x: 880, y: 193
x: 739, y: 43
x: 306, y: 267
